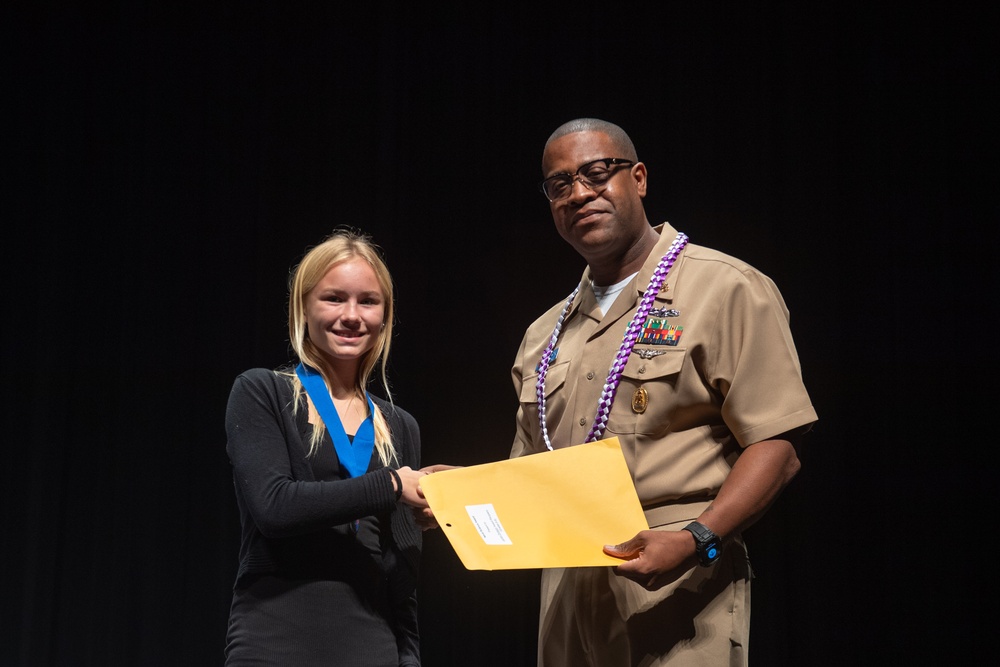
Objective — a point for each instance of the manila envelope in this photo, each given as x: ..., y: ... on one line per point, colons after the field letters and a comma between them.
x: 553, y: 509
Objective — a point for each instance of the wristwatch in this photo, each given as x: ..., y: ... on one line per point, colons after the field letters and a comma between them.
x: 708, y: 546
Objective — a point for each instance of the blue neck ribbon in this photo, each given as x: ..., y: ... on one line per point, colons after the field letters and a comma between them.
x: 354, y: 456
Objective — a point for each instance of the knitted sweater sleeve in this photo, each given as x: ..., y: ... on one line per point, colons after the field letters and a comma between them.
x: 403, y: 562
x: 273, y: 478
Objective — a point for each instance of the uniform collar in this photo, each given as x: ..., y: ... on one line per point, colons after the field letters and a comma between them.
x: 586, y: 303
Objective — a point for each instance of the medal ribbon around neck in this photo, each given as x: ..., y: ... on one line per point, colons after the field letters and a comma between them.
x: 618, y: 365
x: 354, y: 456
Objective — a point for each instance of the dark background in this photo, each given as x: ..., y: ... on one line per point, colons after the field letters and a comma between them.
x: 164, y: 168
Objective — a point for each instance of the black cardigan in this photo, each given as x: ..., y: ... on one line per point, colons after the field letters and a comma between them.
x: 278, y: 495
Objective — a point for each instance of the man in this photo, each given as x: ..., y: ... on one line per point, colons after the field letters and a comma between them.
x: 685, y: 354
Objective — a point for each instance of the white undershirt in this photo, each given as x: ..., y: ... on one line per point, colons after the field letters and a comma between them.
x: 607, y: 295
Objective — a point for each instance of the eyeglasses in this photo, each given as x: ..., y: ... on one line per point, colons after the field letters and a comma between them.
x: 595, y: 175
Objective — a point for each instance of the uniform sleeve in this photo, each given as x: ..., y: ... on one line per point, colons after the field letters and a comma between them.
x: 522, y: 436
x: 755, y: 365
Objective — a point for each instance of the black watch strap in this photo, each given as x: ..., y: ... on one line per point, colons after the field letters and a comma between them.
x: 708, y: 546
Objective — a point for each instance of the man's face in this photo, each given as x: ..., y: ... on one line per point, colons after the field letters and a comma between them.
x: 597, y: 221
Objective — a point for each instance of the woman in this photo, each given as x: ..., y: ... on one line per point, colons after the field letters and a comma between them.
x: 324, y: 473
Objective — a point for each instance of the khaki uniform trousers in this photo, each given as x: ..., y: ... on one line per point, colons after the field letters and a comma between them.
x: 591, y: 617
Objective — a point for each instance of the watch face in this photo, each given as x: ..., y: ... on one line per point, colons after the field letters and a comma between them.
x: 707, y: 543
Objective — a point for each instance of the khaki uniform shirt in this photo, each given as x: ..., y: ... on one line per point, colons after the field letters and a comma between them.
x: 725, y: 374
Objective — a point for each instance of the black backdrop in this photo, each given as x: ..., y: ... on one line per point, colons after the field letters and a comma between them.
x: 164, y: 167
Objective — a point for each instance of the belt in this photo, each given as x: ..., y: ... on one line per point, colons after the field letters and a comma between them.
x: 674, y: 511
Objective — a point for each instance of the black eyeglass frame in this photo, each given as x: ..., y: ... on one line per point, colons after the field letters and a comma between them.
x: 611, y: 162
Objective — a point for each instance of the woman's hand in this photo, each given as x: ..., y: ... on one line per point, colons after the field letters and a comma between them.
x: 411, y: 495
x: 424, y: 515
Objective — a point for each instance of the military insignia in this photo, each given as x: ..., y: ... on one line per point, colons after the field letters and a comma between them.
x: 640, y: 399
x: 552, y: 357
x: 657, y: 331
x: 649, y: 354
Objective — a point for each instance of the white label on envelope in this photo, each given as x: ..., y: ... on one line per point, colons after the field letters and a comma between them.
x: 485, y: 519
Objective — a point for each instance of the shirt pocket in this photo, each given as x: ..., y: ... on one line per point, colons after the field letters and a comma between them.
x: 647, y: 393
x: 555, y: 378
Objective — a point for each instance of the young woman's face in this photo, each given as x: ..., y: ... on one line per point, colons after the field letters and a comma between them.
x: 345, y: 310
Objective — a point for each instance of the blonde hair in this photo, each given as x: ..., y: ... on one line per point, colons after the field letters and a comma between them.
x: 341, y: 246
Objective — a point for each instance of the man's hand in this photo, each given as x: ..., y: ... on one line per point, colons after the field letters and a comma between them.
x: 655, y: 558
